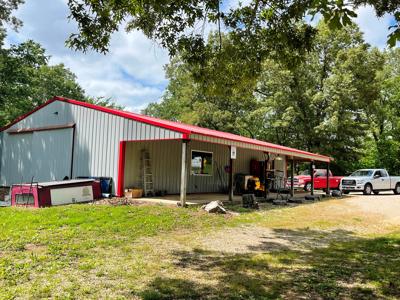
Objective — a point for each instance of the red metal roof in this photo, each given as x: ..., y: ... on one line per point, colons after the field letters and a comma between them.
x: 175, y: 126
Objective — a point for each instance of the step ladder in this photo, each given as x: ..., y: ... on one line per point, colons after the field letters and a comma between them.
x: 147, y: 175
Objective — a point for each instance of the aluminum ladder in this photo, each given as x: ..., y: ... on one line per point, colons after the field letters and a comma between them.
x: 147, y: 174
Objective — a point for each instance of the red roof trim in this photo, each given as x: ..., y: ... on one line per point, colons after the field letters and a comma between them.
x: 185, y: 129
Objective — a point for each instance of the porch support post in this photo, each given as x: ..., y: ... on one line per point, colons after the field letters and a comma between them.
x: 230, y: 179
x: 312, y: 177
x: 292, y: 177
x: 183, y: 173
x: 266, y: 187
x: 328, y: 188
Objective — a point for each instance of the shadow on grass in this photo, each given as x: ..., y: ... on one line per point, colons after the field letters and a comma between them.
x: 346, y: 268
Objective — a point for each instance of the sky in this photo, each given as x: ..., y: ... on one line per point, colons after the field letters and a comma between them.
x: 132, y: 73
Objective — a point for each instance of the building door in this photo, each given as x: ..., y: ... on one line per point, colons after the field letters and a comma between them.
x: 52, y: 154
x: 17, y: 161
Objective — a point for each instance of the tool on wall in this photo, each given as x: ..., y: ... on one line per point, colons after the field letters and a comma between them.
x: 222, y: 187
x: 147, y: 174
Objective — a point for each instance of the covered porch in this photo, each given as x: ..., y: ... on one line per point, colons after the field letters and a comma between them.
x: 200, y: 168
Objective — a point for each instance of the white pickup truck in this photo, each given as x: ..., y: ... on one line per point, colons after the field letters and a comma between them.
x: 370, y: 181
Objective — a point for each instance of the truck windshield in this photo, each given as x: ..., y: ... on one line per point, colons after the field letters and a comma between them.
x: 305, y: 172
x: 362, y: 173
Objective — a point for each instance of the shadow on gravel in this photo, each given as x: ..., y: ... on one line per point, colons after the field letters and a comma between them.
x: 345, y: 267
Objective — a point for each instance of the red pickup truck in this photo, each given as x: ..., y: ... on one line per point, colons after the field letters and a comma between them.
x: 303, y: 181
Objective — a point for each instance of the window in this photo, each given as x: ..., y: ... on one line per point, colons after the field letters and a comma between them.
x: 202, y: 163
x: 24, y: 199
x: 320, y: 173
x: 362, y: 173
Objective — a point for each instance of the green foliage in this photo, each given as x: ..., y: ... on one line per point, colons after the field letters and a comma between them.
x: 27, y: 80
x: 261, y: 25
x: 6, y: 9
x: 102, y: 101
x: 338, y: 99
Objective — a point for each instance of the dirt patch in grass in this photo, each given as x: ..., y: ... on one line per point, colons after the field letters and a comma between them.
x: 35, y: 248
x: 255, y: 239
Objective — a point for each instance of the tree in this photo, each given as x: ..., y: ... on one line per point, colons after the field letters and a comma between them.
x: 321, y: 103
x: 258, y: 25
x: 218, y: 94
x: 27, y: 80
x: 6, y: 9
x: 384, y: 115
x: 103, y: 101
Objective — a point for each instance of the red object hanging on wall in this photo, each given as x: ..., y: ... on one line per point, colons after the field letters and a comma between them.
x: 255, y: 168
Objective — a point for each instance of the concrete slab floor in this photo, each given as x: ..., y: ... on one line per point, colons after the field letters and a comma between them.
x: 199, y: 199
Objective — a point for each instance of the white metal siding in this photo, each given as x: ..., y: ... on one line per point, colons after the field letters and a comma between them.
x: 97, y: 138
x: 16, y: 159
x: 41, y: 156
x: 51, y: 154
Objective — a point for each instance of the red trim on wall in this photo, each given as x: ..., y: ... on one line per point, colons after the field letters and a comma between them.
x: 121, y: 169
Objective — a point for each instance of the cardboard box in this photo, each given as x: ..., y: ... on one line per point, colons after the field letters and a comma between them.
x: 133, y: 193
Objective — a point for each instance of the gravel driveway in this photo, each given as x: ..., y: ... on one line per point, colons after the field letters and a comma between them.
x: 317, y: 225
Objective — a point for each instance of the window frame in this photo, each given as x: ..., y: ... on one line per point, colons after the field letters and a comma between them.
x: 30, y: 196
x: 212, y: 163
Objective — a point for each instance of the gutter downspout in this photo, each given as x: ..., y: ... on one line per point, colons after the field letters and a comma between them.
x: 72, y: 153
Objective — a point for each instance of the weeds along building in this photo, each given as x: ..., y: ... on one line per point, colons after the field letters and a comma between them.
x: 68, y: 138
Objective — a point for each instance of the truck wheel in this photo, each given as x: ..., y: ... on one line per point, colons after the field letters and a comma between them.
x: 376, y: 192
x: 307, y: 187
x: 397, y: 189
x: 367, y: 189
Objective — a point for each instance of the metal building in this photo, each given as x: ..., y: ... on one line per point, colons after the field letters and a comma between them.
x: 65, y: 137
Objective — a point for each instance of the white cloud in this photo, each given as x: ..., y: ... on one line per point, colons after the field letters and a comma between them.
x: 375, y: 29
x: 131, y: 73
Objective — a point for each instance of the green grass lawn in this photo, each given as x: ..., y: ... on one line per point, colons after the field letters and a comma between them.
x: 44, y: 250
x: 154, y: 252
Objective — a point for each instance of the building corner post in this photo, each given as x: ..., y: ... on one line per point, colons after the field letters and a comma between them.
x: 184, y: 166
x: 328, y: 188
x: 312, y: 167
x: 292, y: 178
x: 230, y: 189
x: 121, y: 169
